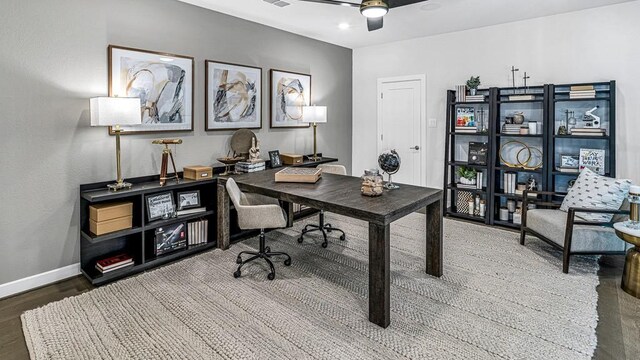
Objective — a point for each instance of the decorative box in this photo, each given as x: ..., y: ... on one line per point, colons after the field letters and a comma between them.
x: 110, y: 217
x: 298, y: 175
x: 197, y: 172
x: 462, y: 202
x: 291, y: 159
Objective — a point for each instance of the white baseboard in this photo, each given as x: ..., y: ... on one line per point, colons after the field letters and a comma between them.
x: 38, y: 280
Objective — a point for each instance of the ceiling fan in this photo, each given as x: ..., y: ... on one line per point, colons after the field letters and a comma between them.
x: 373, y: 10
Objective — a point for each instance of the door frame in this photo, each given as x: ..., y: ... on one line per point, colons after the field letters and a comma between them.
x: 422, y: 78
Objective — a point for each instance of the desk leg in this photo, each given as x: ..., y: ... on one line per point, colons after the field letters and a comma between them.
x: 379, y: 275
x: 288, y: 209
x: 434, y: 239
x: 223, y: 217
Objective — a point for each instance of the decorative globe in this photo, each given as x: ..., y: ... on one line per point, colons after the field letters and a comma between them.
x: 389, y: 161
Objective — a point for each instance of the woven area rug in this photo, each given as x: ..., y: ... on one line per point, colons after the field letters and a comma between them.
x: 496, y: 299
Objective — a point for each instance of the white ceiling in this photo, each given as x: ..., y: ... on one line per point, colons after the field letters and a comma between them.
x: 431, y: 17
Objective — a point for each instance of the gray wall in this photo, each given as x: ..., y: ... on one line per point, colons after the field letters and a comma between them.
x: 54, y: 58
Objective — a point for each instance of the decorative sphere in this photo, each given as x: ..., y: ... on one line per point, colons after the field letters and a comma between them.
x: 389, y: 161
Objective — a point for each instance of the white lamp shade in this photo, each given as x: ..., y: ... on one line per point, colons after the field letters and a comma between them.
x: 314, y: 114
x: 111, y: 111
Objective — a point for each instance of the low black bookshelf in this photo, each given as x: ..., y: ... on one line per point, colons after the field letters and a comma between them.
x: 139, y: 241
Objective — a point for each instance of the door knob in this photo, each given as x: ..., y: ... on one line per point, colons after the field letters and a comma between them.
x: 415, y: 147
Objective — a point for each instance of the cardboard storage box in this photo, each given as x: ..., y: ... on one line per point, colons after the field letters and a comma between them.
x: 105, y: 227
x: 291, y: 159
x: 110, y: 211
x: 197, y: 172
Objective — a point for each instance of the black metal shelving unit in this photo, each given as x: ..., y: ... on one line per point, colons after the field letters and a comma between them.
x: 605, y: 98
x: 454, y: 139
x: 547, y: 106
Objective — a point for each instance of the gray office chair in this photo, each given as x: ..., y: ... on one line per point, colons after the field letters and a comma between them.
x: 257, y: 212
x: 321, y: 226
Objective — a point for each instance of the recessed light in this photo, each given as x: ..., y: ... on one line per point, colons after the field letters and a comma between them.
x: 166, y: 59
x: 344, y: 26
x: 430, y: 6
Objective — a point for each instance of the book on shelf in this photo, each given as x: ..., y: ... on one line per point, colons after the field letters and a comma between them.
x: 521, y: 97
x: 466, y: 186
x: 509, y: 182
x: 114, y: 263
x: 478, y: 153
x: 170, y: 238
x: 461, y: 93
x: 588, y: 131
x: 568, y: 170
x: 466, y: 129
x: 581, y: 88
x: 197, y: 232
x: 474, y: 98
x: 465, y: 117
x: 191, y: 211
x: 512, y: 129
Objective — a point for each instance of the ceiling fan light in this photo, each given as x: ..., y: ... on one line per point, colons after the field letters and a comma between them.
x: 374, y: 8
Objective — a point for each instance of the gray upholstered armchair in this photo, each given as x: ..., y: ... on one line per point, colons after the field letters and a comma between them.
x: 257, y: 212
x: 566, y: 231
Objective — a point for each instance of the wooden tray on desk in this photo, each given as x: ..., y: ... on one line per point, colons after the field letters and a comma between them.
x: 299, y: 175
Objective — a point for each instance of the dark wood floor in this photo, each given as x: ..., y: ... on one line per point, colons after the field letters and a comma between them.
x: 618, y: 328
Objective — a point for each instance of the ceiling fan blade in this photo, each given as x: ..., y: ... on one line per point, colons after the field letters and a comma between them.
x: 398, y: 3
x: 374, y: 23
x: 334, y: 2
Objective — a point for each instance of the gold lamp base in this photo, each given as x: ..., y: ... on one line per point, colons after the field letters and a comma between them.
x: 119, y: 186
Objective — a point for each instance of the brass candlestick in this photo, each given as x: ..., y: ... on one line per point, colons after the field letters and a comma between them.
x: 315, y: 144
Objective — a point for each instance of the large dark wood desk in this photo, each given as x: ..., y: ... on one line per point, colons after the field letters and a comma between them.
x: 341, y: 195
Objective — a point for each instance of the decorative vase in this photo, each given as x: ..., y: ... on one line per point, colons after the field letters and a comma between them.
x: 518, y: 118
x: 466, y: 181
x: 472, y: 91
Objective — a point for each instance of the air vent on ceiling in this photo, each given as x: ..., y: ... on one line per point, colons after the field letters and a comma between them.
x: 278, y: 3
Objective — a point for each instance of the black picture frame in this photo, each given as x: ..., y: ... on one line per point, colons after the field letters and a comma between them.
x: 274, y: 158
x: 188, y: 202
x: 155, y: 202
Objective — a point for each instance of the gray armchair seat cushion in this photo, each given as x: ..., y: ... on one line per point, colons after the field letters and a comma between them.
x: 255, y: 211
x: 552, y: 224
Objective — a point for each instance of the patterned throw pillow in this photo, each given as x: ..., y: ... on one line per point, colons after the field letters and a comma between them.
x: 593, y: 191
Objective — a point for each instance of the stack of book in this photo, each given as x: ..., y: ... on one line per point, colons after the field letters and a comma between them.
x: 191, y: 211
x: 522, y: 97
x: 511, y: 129
x: 197, y: 232
x: 250, y: 166
x: 509, y: 182
x: 466, y: 129
x: 114, y: 263
x: 582, y: 92
x: 568, y: 170
x: 461, y: 93
x: 474, y: 98
x: 588, y: 131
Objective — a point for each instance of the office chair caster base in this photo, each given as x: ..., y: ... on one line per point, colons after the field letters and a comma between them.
x: 300, y: 239
x: 325, y: 244
x: 271, y: 276
x: 237, y: 274
x: 287, y: 262
x: 342, y: 237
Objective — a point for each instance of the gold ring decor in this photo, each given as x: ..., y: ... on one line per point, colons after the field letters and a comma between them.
x: 523, y: 164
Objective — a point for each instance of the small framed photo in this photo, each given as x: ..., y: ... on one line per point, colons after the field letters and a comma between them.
x: 160, y: 206
x: 188, y: 199
x: 274, y: 157
x: 569, y: 161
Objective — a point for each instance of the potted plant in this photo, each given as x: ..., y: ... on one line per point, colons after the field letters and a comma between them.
x: 473, y: 84
x: 467, y: 175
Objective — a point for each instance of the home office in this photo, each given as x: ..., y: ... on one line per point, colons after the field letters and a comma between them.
x: 295, y: 179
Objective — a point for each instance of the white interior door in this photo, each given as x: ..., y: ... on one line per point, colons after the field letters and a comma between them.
x: 400, y: 117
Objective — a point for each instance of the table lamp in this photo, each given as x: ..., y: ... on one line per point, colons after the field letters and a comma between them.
x: 116, y: 111
x: 314, y: 115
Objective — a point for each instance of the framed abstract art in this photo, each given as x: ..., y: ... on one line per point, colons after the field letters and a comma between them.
x: 290, y: 92
x: 233, y: 96
x: 163, y: 82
